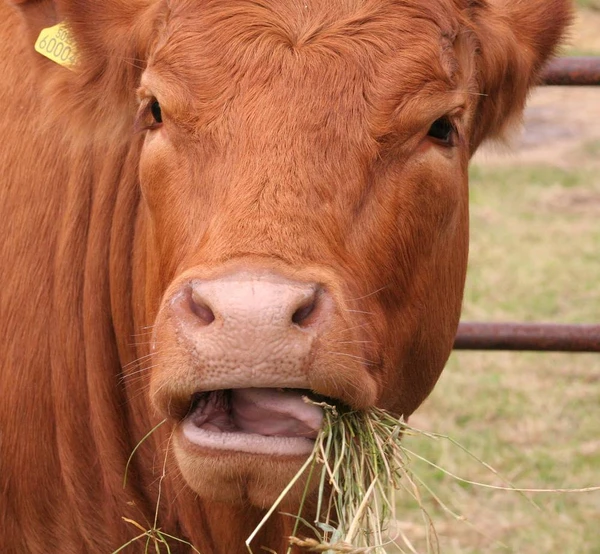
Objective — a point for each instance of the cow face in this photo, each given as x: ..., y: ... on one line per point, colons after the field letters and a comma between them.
x: 305, y: 201
x: 304, y: 182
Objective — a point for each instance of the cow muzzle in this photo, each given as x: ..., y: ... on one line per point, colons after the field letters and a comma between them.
x: 239, y: 357
x: 241, y: 361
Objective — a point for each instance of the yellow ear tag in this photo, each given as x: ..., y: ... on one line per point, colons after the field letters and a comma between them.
x: 57, y: 45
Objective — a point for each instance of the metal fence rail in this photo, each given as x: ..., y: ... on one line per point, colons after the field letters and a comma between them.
x: 540, y: 337
x: 545, y: 337
x: 572, y: 72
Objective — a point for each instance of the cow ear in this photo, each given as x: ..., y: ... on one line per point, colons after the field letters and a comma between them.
x: 37, y: 14
x: 111, y: 40
x: 515, y: 39
x: 105, y: 26
x: 111, y: 28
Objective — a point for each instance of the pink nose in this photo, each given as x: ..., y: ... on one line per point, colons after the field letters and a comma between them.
x: 255, y: 329
x: 246, y: 300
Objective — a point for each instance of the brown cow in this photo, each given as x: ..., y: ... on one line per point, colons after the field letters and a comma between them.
x: 287, y: 212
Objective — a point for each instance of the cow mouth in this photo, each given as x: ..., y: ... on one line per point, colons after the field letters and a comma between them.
x: 254, y: 420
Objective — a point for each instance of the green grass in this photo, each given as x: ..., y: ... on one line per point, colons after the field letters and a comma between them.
x: 592, y: 149
x: 582, y: 38
x: 535, y: 240
x: 535, y: 255
x: 589, y: 4
x: 578, y: 52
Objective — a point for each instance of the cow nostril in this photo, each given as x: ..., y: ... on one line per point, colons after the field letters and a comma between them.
x: 302, y: 316
x: 200, y: 309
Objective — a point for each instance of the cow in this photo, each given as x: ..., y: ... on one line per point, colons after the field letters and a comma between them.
x: 221, y: 207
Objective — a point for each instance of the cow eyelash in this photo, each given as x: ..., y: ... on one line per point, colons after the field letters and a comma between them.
x: 149, y: 116
x: 443, y: 131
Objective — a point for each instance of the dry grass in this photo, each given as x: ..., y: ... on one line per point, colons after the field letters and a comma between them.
x: 363, y: 470
x: 357, y: 465
x: 154, y: 539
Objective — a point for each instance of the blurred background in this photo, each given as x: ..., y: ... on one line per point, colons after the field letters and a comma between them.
x: 535, y: 418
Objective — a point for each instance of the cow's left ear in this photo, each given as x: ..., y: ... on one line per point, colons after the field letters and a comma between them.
x: 37, y: 14
x: 515, y: 39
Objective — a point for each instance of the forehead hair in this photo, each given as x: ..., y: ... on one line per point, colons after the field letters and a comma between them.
x: 391, y: 50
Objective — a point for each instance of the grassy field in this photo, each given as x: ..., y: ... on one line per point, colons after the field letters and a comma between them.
x: 590, y: 4
x: 584, y: 38
x: 535, y: 256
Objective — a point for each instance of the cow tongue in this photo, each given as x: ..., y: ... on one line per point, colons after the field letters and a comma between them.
x: 275, y: 412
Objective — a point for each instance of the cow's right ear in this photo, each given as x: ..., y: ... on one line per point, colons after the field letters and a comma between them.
x: 110, y: 40
x: 515, y: 38
x: 105, y: 26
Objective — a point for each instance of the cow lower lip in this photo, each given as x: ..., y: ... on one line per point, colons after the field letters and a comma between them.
x: 246, y: 442
x: 261, y: 421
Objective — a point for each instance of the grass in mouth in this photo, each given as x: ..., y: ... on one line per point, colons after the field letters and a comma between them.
x: 359, y: 460
x: 360, y: 463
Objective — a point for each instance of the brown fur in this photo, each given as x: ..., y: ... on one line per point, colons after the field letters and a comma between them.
x: 294, y: 138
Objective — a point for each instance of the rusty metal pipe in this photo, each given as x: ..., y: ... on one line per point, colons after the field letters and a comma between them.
x: 542, y: 337
x: 583, y: 71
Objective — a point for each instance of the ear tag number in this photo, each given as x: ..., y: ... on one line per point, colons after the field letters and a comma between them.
x: 57, y: 45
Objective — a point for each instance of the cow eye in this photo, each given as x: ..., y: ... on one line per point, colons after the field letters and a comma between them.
x: 149, y: 116
x: 156, y: 113
x: 443, y: 131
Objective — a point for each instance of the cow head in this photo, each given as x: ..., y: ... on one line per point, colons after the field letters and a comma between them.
x: 303, y: 222
x: 304, y: 178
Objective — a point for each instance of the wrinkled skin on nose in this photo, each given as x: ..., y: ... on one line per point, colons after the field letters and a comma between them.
x: 260, y: 332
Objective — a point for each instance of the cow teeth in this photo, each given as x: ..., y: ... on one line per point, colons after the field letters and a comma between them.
x: 200, y: 420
